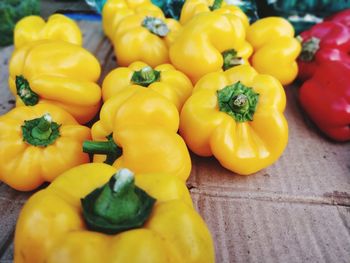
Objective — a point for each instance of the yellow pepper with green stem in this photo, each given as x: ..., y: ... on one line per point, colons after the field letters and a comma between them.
x: 150, y: 218
x: 146, y: 38
x: 115, y: 10
x: 210, y: 42
x: 136, y: 105
x: 237, y: 116
x: 165, y: 79
x: 38, y: 143
x: 144, y: 149
x: 138, y: 130
x: 59, y: 73
x: 57, y: 27
x: 275, y: 48
x: 192, y: 8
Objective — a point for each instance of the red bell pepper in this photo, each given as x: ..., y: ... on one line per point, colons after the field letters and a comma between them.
x: 342, y: 17
x: 326, y: 41
x: 326, y: 99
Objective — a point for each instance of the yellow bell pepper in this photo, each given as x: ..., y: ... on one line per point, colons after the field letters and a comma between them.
x: 210, y: 42
x: 195, y: 7
x: 275, y: 48
x: 142, y: 148
x: 150, y: 218
x: 135, y: 105
x: 115, y: 10
x: 144, y: 38
x: 237, y: 116
x: 171, y: 83
x: 56, y: 72
x: 144, y: 126
x: 38, y: 143
x: 57, y: 27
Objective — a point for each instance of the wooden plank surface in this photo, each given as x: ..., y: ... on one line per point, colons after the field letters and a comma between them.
x: 297, y: 210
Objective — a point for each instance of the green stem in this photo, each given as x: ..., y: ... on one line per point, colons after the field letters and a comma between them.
x: 231, y: 59
x: 238, y: 101
x: 155, y: 26
x: 118, y: 205
x: 108, y: 148
x: 216, y: 5
x: 29, y: 97
x: 309, y: 49
x: 43, y: 130
x: 40, y: 131
x: 145, y: 76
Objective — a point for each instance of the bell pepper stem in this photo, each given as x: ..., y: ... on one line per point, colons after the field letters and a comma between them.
x: 118, y: 205
x: 43, y: 130
x: 118, y: 200
x: 231, y: 59
x: 147, y: 73
x: 108, y: 148
x: 145, y: 76
x: 40, y: 131
x: 94, y: 147
x: 156, y: 26
x: 309, y: 49
x: 216, y: 5
x: 27, y: 95
x: 238, y: 101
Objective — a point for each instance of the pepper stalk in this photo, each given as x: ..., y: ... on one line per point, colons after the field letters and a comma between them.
x: 238, y: 101
x: 27, y: 95
x: 156, y: 26
x: 118, y: 205
x: 309, y: 48
x: 216, y: 5
x: 145, y: 76
x: 231, y: 59
x: 40, y: 131
x: 108, y: 148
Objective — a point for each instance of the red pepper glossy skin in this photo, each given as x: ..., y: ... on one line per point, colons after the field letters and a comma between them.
x: 326, y: 99
x: 342, y: 17
x: 334, y: 45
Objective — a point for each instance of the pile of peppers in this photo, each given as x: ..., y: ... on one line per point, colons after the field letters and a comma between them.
x: 117, y: 155
x: 324, y: 69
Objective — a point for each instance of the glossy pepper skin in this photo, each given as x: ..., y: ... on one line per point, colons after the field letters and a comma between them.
x: 192, y: 8
x: 57, y: 27
x: 326, y: 99
x: 324, y: 42
x: 144, y: 126
x: 26, y: 161
x: 56, y: 72
x: 165, y: 79
x: 143, y: 148
x: 136, y: 105
x: 144, y: 38
x: 200, y: 46
x: 115, y: 10
x: 173, y: 232
x: 275, y: 48
x: 246, y: 131
x: 342, y: 17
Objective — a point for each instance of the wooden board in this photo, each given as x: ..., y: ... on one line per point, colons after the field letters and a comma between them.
x: 297, y: 210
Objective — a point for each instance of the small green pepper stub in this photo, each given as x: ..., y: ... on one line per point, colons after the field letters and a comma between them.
x: 238, y: 101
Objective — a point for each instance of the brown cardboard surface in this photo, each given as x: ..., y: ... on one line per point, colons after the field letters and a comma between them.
x: 247, y: 230
x: 297, y: 210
